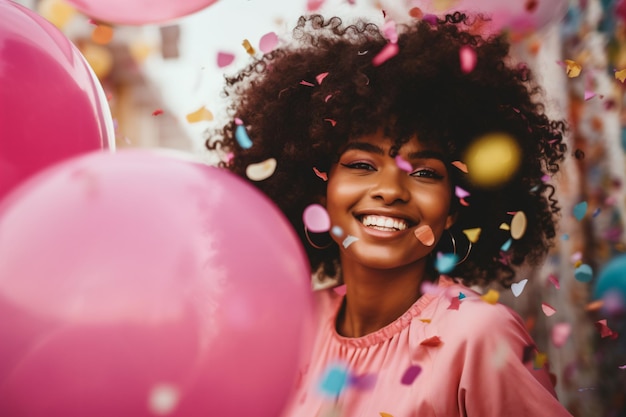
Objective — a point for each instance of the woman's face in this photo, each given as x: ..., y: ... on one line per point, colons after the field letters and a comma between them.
x: 373, y: 199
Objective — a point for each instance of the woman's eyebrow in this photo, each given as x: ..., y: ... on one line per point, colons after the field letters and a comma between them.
x: 364, y: 146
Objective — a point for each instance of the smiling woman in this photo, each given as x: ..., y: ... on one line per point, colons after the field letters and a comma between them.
x: 374, y: 125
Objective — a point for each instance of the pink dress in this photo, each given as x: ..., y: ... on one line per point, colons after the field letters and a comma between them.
x: 451, y: 354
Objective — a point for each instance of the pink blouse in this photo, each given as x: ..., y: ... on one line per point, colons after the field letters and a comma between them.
x: 451, y: 354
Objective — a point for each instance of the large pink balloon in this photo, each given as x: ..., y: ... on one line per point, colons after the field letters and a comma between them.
x: 138, y: 284
x: 139, y: 12
x: 51, y: 105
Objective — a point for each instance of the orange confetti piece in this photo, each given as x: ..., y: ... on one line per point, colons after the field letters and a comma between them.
x: 157, y: 112
x: 504, y: 226
x: 202, y: 114
x: 248, y: 47
x: 594, y: 305
x: 385, y: 415
x: 548, y: 310
x: 431, y: 341
x: 416, y: 13
x: 620, y: 75
x: 425, y: 320
x: 491, y: 297
x: 460, y: 165
x: 572, y: 69
x: 331, y: 121
x: 322, y: 175
x: 473, y: 234
x: 102, y: 34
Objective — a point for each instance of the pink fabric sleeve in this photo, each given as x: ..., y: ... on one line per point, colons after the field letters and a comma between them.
x: 497, y: 379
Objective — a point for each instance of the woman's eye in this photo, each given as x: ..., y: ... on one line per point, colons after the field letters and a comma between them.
x: 427, y: 173
x: 360, y: 165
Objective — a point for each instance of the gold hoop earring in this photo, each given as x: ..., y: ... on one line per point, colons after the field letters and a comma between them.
x: 316, y: 246
x: 469, y: 248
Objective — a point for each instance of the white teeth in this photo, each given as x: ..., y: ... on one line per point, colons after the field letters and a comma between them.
x: 384, y: 223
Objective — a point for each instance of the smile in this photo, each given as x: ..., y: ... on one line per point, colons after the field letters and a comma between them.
x: 384, y: 223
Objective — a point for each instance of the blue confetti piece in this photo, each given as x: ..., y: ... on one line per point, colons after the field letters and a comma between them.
x: 461, y: 296
x: 241, y: 134
x: 580, y: 210
x: 535, y: 188
x: 336, y: 231
x: 583, y: 273
x: 596, y: 212
x: 410, y: 374
x: 446, y: 262
x: 334, y: 381
x: 506, y: 246
x: 564, y: 236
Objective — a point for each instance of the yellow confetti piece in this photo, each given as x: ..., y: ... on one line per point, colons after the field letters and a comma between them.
x: 444, y: 5
x: 58, y: 12
x: 492, y: 159
x: 140, y: 50
x: 540, y: 360
x: 102, y: 34
x: 572, y: 68
x: 491, y: 297
x: 578, y: 263
x: 425, y: 320
x: 518, y: 225
x: 505, y: 226
x: 262, y: 170
x: 248, y: 47
x: 620, y: 75
x: 385, y: 415
x: 472, y: 234
x: 202, y: 114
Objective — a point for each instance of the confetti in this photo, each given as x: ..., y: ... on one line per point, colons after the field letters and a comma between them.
x: 416, y: 13
x: 322, y: 175
x: 306, y: 83
x: 472, y: 234
x: 518, y: 225
x: 320, y: 77
x: 460, y: 192
x: 622, y: 367
x: 349, y: 240
x: 540, y: 360
x: 410, y: 374
x: 491, y: 297
x: 548, y: 310
x: 467, y: 55
x: 461, y: 296
x: 336, y: 231
x: 446, y: 262
x: 492, y: 159
x: 604, y: 329
x: 589, y: 95
x: 102, y: 34
x: 554, y: 281
x: 596, y: 212
x: 202, y: 114
x: 248, y: 47
x: 331, y: 121
x: 431, y: 341
x: 460, y: 165
x: 224, y: 59
x: 506, y: 245
x: 403, y: 164
x: 580, y: 210
x: 362, y: 382
x: 389, y: 51
x: 268, y: 42
x: 313, y: 5
x: 316, y: 219
x: 425, y: 235
x: 262, y: 170
x: 594, y: 305
x: 241, y: 134
x: 583, y: 273
x: 455, y: 303
x: 334, y: 380
x: 504, y: 226
x: 572, y: 69
x: 389, y: 31
x: 560, y: 333
x: 157, y: 112
x: 385, y: 414
x: 428, y: 287
x: 620, y: 75
x: 518, y: 287
x: 425, y: 320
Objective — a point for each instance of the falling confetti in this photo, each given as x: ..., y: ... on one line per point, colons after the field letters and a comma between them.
x: 248, y: 47
x: 491, y: 297
x: 492, y: 159
x: 425, y: 320
x: 157, y: 112
x: 506, y: 245
x: 518, y: 287
x: 313, y: 5
x: 334, y: 380
x: 389, y: 51
x: 604, y: 329
x: 224, y: 59
x: 467, y: 55
x: 102, y: 34
x: 455, y: 303
x: 316, y: 219
x: 322, y: 175
x: 385, y: 415
x: 389, y: 31
x: 410, y: 374
x: 349, y: 240
x: 580, y: 210
x: 572, y: 69
x: 306, y: 83
x: 331, y: 121
x: 620, y: 75
x: 268, y: 42
x: 241, y: 134
x: 504, y: 226
x: 363, y: 382
x: 583, y: 273
x: 446, y: 262
x: 403, y: 164
x: 460, y: 192
x: 589, y: 95
x: 548, y: 310
x: 461, y: 166
x: 540, y: 360
x: 425, y: 235
x: 336, y: 231
x: 554, y: 281
x: 320, y: 77
x: 518, y: 225
x: 262, y: 170
x: 202, y: 114
x: 472, y: 234
x: 560, y: 333
x: 433, y: 341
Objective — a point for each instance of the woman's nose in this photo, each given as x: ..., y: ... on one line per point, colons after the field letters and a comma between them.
x: 390, y: 186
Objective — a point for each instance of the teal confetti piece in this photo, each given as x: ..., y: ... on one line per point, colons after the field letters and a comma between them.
x: 506, y: 246
x: 583, y: 273
x: 241, y: 134
x: 564, y: 236
x: 334, y: 381
x: 580, y: 210
x: 446, y: 262
x: 461, y: 296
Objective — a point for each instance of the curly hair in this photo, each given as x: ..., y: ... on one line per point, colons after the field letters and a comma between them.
x: 304, y: 123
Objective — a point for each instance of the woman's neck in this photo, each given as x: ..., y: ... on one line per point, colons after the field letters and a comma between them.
x: 375, y: 298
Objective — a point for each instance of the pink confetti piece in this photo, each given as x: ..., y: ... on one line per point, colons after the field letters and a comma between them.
x: 622, y: 367
x: 389, y: 51
x: 320, y: 77
x: 428, y: 287
x: 224, y: 59
x: 460, y: 192
x: 316, y: 218
x: 313, y: 5
x: 331, y: 121
x: 322, y: 175
x: 548, y: 310
x: 403, y: 164
x: 157, y: 112
x: 341, y: 289
x: 555, y: 281
x: 268, y: 42
x: 425, y: 235
x: 560, y: 333
x: 468, y: 59
x: 463, y: 202
x: 455, y: 303
x: 308, y: 84
x: 589, y: 95
x: 604, y: 329
x: 411, y: 374
x: 389, y: 31
x: 238, y: 121
x: 328, y: 97
x: 431, y: 341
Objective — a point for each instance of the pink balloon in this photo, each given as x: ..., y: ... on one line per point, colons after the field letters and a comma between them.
x: 51, y: 105
x: 139, y: 12
x: 138, y: 284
